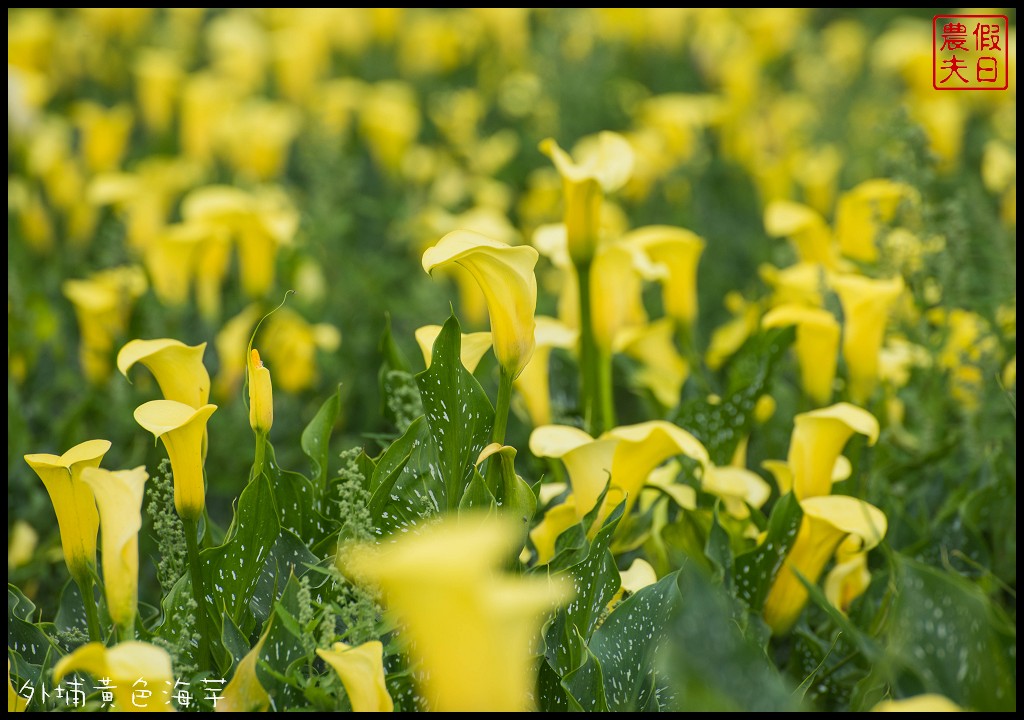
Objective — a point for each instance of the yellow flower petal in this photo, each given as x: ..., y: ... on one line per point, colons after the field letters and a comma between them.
x: 664, y: 371
x: 361, y: 670
x: 587, y: 461
x: 863, y: 211
x: 818, y: 439
x: 261, y: 395
x: 245, y: 693
x: 474, y: 345
x: 930, y: 702
x: 678, y: 250
x: 177, y: 367
x: 533, y: 382
x: 15, y: 702
x: 817, y: 346
x: 867, y: 305
x: 124, y: 664
x: 738, y: 487
x: 555, y: 522
x: 805, y: 228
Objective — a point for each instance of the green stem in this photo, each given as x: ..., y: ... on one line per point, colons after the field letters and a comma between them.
x: 588, y: 354
x: 198, y: 591
x: 501, y: 410
x: 261, y: 453
x: 605, y: 399
x: 92, y: 616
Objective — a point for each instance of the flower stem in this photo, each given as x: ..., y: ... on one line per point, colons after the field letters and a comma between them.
x: 198, y: 591
x: 92, y: 617
x: 605, y: 400
x: 588, y: 354
x: 501, y: 410
x: 261, y: 452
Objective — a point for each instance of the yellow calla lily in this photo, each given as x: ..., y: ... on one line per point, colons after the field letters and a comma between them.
x: 105, y: 134
x: 818, y: 439
x: 783, y: 474
x: 551, y: 242
x: 158, y: 75
x: 848, y: 580
x: 474, y: 345
x: 827, y: 521
x: 616, y: 300
x: 663, y: 370
x: 361, y: 670
x: 182, y: 429
x: 124, y: 664
x: 929, y: 702
x: 800, y: 284
x: 866, y: 305
x: 639, y: 575
x: 604, y: 165
x: 662, y: 480
x: 730, y: 336
x: 588, y: 461
x: 21, y: 544
x: 171, y: 257
x: 505, y: 274
x: 817, y: 346
x: 389, y: 120
x: 737, y: 487
x: 556, y: 521
x: 73, y: 502
x: 119, y: 498
x: 679, y: 251
x: 291, y: 343
x: 15, y: 702
x: 472, y: 629
x: 245, y: 693
x: 261, y: 395
x: 533, y: 383
x: 177, y: 367
x: 861, y: 213
x: 643, y: 447
x: 804, y: 227
x: 231, y: 344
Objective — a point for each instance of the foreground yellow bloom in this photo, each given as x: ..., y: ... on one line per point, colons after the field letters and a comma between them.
x: 119, y: 498
x: 361, y: 670
x: 817, y: 346
x: 818, y: 438
x: 473, y: 630
x: 124, y: 664
x: 474, y: 345
x: 177, y: 367
x: 73, y: 502
x: 182, y: 429
x: 679, y: 251
x: 827, y: 521
x: 505, y: 274
x: 866, y: 305
x: 261, y: 395
x: 930, y: 702
x: 604, y: 165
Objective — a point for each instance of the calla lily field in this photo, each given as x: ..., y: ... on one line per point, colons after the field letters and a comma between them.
x: 511, y: 359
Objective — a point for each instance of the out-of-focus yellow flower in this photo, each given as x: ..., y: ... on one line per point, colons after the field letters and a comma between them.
x: 850, y: 577
x: 239, y: 49
x: 863, y: 211
x: 389, y: 120
x: 817, y: 346
x: 73, y: 502
x: 617, y: 274
x: 816, y: 170
x: 15, y: 702
x: 26, y: 203
x: 291, y: 343
x: 261, y: 395
x: 679, y: 251
x: 21, y: 544
x: 739, y: 488
x: 206, y: 100
x: 1010, y: 373
x: 930, y: 702
x: 533, y: 383
x: 231, y: 343
x: 827, y: 521
x: 473, y: 630
x: 123, y: 664
x: 105, y: 133
x: 730, y: 336
x: 505, y: 274
x: 177, y: 367
x: 866, y: 306
x: 182, y: 429
x: 804, y: 227
x: 474, y: 345
x: 604, y: 165
x: 800, y: 284
x: 171, y: 261
x: 158, y: 76
x: 302, y: 53
x: 818, y: 439
x: 257, y: 136
x: 119, y: 499
x: 663, y: 370
x: 361, y: 670
x: 898, y: 358
x: 245, y: 693
x: 103, y: 303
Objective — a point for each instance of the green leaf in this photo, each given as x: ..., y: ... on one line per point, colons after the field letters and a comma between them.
x: 24, y: 638
x: 756, y: 570
x: 234, y: 567
x: 288, y: 556
x: 513, y: 494
x: 585, y: 685
x: 392, y: 462
x: 409, y: 491
x: 719, y: 552
x: 296, y: 499
x: 477, y: 496
x: 316, y: 438
x: 458, y: 413
x: 282, y: 648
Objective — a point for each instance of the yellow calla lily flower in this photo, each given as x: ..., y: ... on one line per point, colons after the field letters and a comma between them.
x: 866, y: 305
x: 261, y: 395
x: 817, y: 441
x: 474, y: 345
x: 737, y: 487
x: 245, y: 693
x: 604, y: 165
x: 663, y: 479
x: 105, y: 133
x: 73, y: 502
x: 679, y: 250
x: 158, y: 74
x: 804, y: 227
x: 21, y: 544
x: 800, y: 284
x: 663, y: 370
x: 291, y: 343
x: 929, y: 702
x: 556, y: 521
x: 817, y: 346
x: 182, y: 429
x: 231, y: 344
x: 588, y: 461
x: 783, y: 474
x: 171, y: 259
x: 505, y: 274
x: 827, y: 521
x: 861, y: 213
x: 389, y: 120
x: 177, y: 367
x: 472, y: 629
x: 616, y: 300
x: 639, y: 575
x: 119, y: 498
x: 533, y: 382
x: 848, y: 580
x: 361, y: 670
x: 15, y: 702
x: 124, y: 664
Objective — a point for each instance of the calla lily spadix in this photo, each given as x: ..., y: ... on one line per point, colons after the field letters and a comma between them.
x: 73, y: 502
x: 472, y: 629
x: 505, y: 275
x: 119, y: 499
x: 818, y: 439
x: 474, y: 345
x: 361, y: 670
x: 817, y: 346
x: 177, y: 367
x: 123, y: 664
x: 827, y: 521
x: 181, y: 428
